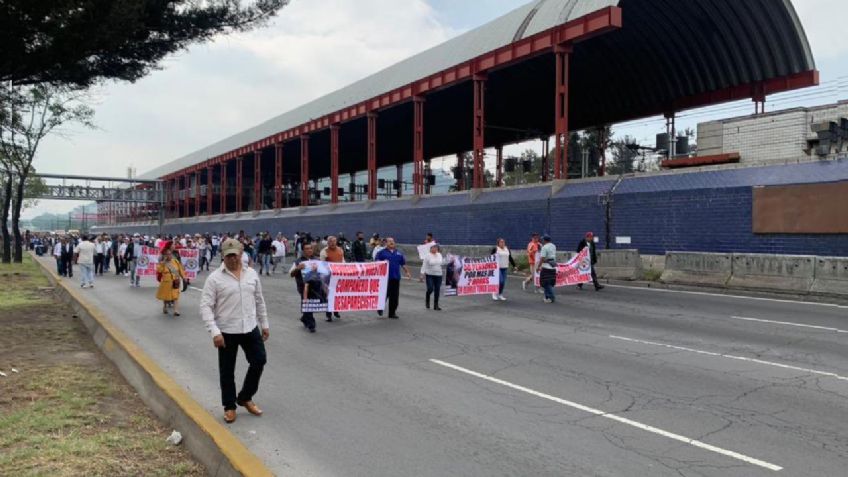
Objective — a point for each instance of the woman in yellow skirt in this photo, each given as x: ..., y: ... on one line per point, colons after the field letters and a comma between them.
x: 170, y: 273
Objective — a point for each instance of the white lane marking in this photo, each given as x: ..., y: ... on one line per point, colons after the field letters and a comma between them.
x: 756, y: 298
x: 731, y: 356
x: 196, y: 289
x: 789, y: 323
x: 623, y: 420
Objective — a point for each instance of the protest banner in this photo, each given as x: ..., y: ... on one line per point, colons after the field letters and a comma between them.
x: 424, y: 249
x: 190, y: 258
x: 338, y: 287
x: 471, y: 276
x: 146, y: 264
x: 573, y: 272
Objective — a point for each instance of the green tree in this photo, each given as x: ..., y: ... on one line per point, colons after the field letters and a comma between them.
x: 81, y: 42
x: 29, y: 114
x: 625, y: 155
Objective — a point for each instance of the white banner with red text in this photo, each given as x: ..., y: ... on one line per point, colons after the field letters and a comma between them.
x: 573, y: 272
x: 344, y: 287
x: 471, y: 276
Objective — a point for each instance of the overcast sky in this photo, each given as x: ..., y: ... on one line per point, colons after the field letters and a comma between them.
x: 312, y: 48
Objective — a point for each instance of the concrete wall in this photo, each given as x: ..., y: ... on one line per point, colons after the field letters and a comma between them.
x: 701, y: 211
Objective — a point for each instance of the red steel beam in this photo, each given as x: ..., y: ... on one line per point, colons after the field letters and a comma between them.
x: 257, y: 180
x: 579, y: 29
x: 278, y: 175
x: 418, y: 146
x: 334, y: 164
x: 372, y: 156
x: 563, y: 57
x: 478, y: 154
x: 210, y: 191
x: 304, y: 170
x: 224, y: 191
x: 239, y: 184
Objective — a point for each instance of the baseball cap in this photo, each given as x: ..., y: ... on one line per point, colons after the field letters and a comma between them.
x: 231, y: 246
x: 546, y: 238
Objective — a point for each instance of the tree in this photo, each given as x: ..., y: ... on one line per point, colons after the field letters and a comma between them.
x: 27, y: 116
x: 81, y: 42
x: 519, y: 176
x: 624, y: 154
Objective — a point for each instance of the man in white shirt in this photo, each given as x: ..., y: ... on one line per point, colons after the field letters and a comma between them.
x: 233, y: 309
x: 279, y: 252
x: 57, y: 253
x: 84, y: 253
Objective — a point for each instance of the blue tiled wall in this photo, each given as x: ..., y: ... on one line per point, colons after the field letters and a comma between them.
x: 697, y: 211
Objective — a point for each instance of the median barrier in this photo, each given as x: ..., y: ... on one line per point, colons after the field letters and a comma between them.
x: 790, y: 273
x: 619, y: 264
x: 831, y: 276
x: 694, y: 268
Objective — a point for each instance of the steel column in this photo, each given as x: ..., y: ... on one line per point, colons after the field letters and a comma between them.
x: 563, y: 57
x: 239, y: 185
x: 197, y: 193
x: 499, y: 174
x: 257, y: 180
x: 460, y: 167
x: 418, y: 146
x: 334, y: 163
x: 372, y: 156
x: 304, y: 170
x: 278, y: 176
x: 546, y: 163
x: 399, y: 178
x: 479, y: 129
x: 210, y: 191
x: 186, y: 189
x: 352, y: 191
x: 224, y: 191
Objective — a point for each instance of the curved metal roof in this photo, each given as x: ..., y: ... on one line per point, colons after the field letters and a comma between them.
x: 666, y: 53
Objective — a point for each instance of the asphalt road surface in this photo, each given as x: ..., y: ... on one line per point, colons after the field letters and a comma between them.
x: 621, y: 382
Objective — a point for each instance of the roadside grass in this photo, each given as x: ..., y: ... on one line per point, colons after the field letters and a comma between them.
x: 19, y: 283
x: 65, y: 410
x: 651, y: 275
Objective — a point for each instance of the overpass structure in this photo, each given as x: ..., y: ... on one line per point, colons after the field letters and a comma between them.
x: 542, y: 70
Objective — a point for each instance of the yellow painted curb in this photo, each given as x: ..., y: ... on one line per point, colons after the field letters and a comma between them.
x: 240, y: 457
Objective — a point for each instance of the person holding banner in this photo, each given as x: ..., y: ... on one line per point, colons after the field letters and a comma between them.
x: 504, y: 256
x: 396, y: 262
x: 170, y: 274
x: 332, y: 253
x: 304, y: 291
x: 432, y: 269
x: 589, y: 241
x: 547, y: 267
x: 532, y: 253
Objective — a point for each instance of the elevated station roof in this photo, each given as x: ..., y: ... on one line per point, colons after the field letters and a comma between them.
x: 631, y: 59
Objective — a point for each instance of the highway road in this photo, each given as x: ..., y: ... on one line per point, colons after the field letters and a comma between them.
x: 622, y: 382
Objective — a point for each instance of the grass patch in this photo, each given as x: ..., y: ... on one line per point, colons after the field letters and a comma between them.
x: 652, y: 275
x: 19, y: 283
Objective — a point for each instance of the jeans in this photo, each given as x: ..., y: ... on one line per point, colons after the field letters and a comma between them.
x: 434, y: 284
x: 60, y: 268
x: 133, y: 277
x: 502, y: 280
x: 393, y: 295
x: 254, y: 351
x: 87, y: 273
x: 549, y: 291
x: 264, y: 263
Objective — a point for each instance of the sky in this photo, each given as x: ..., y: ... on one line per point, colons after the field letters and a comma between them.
x: 312, y: 48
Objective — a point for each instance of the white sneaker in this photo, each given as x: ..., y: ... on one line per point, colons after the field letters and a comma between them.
x: 495, y: 297
x: 548, y: 301
x: 501, y: 298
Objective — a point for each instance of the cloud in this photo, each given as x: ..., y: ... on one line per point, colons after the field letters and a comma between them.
x: 215, y: 90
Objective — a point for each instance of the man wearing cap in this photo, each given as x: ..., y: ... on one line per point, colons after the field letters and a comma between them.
x: 589, y: 241
x: 547, y: 268
x: 233, y: 309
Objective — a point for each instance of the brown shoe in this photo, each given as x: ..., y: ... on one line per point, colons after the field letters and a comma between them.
x: 230, y: 416
x: 251, y: 407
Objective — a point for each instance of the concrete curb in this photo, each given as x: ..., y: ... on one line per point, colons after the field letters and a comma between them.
x: 208, y: 440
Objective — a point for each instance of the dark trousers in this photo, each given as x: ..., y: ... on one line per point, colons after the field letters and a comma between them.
x: 434, y: 284
x: 68, y: 267
x: 118, y: 269
x: 254, y: 351
x: 392, y: 295
x: 98, y: 263
x: 60, y: 267
x: 594, y: 279
x: 308, y: 320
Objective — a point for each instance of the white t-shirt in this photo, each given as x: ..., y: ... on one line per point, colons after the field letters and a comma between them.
x: 502, y: 256
x: 279, y: 248
x: 122, y: 249
x: 86, y: 253
x: 57, y: 249
x: 245, y: 260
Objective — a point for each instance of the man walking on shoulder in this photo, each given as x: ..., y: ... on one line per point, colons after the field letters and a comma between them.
x: 233, y: 309
x: 396, y: 261
x: 84, y: 253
